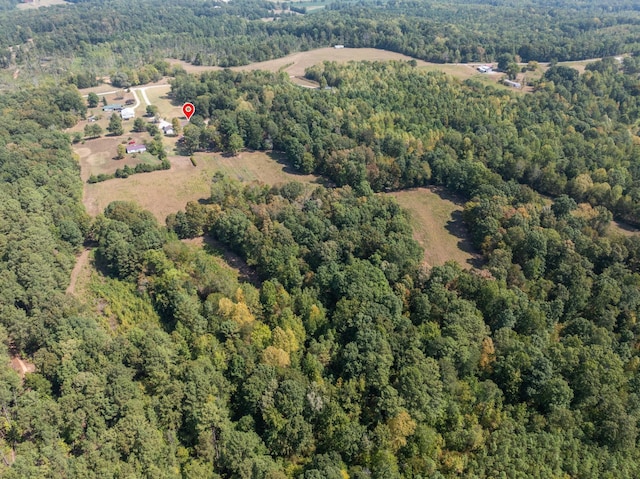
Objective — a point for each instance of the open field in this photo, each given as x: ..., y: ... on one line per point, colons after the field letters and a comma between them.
x: 40, y: 3
x: 168, y: 191
x: 436, y: 218
x: 296, y: 63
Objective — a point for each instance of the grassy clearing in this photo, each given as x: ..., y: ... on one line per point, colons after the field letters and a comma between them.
x: 167, y: 191
x: 297, y: 63
x: 617, y: 228
x: 436, y: 218
x: 40, y: 3
x: 98, y: 156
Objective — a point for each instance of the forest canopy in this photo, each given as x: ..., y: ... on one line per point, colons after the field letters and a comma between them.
x: 341, y: 355
x: 100, y: 37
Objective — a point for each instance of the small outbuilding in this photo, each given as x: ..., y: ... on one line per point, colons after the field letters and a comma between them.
x: 512, y: 83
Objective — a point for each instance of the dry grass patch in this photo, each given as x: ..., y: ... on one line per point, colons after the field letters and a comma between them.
x: 436, y: 218
x: 167, y: 191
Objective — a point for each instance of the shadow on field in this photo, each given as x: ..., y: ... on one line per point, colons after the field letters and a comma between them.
x: 281, y: 158
x: 457, y: 228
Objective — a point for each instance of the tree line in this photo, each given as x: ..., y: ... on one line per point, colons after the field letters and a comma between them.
x: 104, y: 37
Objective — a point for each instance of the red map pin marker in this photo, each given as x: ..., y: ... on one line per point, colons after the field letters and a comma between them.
x: 188, y: 109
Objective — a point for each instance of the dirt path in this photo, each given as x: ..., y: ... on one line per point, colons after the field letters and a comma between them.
x: 77, y: 269
x: 144, y: 95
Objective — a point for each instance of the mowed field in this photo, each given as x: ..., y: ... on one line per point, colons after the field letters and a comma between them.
x: 168, y: 191
x: 436, y: 218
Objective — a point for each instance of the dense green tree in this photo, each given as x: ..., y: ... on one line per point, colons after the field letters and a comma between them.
x: 139, y: 125
x: 115, y: 125
x: 92, y: 100
x: 92, y: 130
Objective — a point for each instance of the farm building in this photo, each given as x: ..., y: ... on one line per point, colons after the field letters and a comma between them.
x: 513, y: 84
x: 112, y: 107
x: 485, y: 68
x: 338, y: 46
x: 127, y: 113
x: 136, y: 148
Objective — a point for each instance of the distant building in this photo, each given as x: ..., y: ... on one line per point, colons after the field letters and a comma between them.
x: 136, y: 148
x: 112, y: 107
x: 513, y: 84
x: 127, y: 113
x: 338, y: 46
x: 485, y: 68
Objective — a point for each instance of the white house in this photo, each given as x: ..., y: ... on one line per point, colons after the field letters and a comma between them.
x: 166, y: 127
x: 127, y: 113
x: 136, y: 148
